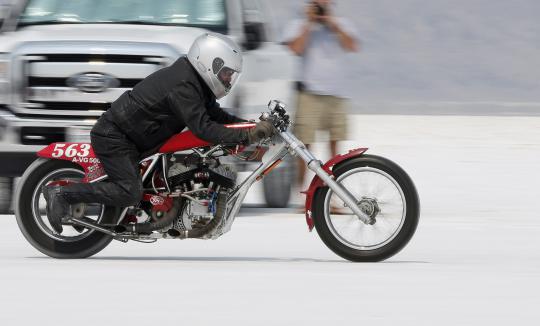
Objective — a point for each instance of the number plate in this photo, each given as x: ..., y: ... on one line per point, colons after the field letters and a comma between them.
x: 78, y: 134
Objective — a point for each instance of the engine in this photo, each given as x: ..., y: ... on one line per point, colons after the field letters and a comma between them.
x: 199, y: 184
x: 192, y: 177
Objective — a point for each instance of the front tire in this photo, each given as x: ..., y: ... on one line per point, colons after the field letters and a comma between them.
x: 32, y: 220
x: 383, y: 191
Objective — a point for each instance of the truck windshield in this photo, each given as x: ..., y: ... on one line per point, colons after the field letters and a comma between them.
x: 210, y: 14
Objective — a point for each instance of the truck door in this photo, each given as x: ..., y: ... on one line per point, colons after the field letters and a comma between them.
x: 268, y: 66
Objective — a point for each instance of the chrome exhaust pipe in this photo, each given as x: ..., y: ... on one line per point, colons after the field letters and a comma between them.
x: 91, y: 224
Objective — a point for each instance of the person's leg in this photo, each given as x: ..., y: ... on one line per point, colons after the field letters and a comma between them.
x: 120, y: 160
x: 338, y: 132
x: 338, y: 123
x: 302, y: 170
x: 305, y: 125
x: 333, y: 148
x: 123, y: 188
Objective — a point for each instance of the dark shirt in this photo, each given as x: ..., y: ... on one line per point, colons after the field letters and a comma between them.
x: 166, y: 102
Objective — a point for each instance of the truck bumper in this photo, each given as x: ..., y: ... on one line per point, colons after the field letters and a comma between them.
x: 21, y: 138
x: 13, y: 164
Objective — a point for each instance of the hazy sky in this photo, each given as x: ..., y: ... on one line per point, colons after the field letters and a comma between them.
x: 442, y: 50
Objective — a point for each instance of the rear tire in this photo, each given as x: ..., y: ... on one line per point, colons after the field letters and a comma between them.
x: 30, y: 216
x: 350, y: 238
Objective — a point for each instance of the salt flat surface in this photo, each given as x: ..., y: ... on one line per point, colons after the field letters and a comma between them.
x: 474, y: 260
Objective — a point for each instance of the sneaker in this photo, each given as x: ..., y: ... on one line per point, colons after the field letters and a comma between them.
x: 57, y: 206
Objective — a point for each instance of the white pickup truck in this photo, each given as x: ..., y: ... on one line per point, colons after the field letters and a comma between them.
x: 62, y: 62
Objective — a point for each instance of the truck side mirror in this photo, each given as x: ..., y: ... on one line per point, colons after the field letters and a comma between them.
x: 254, y: 35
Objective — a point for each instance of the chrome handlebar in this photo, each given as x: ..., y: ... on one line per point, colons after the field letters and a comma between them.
x: 277, y: 114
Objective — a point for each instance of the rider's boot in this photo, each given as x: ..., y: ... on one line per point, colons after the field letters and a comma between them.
x: 57, y: 206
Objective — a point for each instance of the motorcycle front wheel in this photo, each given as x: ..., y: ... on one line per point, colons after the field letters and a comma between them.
x: 384, y: 192
x: 73, y: 242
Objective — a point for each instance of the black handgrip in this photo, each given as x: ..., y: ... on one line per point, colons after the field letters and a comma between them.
x: 280, y: 110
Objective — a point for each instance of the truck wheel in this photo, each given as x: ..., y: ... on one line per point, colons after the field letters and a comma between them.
x: 6, y: 192
x: 277, y: 186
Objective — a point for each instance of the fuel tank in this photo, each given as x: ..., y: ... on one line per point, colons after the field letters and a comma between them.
x: 187, y: 140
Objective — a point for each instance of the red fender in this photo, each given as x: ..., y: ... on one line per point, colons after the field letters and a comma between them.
x: 80, y: 153
x: 317, y: 183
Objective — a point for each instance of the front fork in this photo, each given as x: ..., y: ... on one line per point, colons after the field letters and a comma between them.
x: 315, y: 165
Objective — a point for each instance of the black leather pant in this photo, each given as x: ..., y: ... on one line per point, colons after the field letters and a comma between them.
x: 120, y: 159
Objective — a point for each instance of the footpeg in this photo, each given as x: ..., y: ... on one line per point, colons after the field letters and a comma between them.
x: 79, y: 228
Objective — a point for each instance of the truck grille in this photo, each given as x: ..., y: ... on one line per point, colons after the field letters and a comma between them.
x: 73, y: 84
x: 41, y: 135
x: 62, y: 82
x: 77, y: 106
x: 110, y: 58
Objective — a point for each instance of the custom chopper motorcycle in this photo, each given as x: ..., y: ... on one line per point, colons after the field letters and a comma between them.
x: 364, y: 207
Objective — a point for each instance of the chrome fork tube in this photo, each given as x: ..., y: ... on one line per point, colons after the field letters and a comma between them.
x: 298, y: 147
x: 315, y: 165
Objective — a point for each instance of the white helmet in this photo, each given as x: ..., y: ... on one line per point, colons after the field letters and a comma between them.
x: 218, y: 60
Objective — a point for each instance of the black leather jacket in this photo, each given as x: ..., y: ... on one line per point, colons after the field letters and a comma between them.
x: 166, y: 102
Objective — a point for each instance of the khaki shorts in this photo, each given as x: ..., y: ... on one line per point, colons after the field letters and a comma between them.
x: 320, y: 112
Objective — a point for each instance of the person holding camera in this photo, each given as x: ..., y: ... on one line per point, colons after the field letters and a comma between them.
x: 323, y: 41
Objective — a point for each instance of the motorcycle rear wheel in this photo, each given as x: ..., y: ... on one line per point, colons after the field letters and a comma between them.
x: 383, y: 191
x: 32, y: 220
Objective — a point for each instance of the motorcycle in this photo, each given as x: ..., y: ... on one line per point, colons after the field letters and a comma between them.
x: 364, y: 207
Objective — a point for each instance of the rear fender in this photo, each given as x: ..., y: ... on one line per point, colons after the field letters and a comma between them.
x: 79, y: 153
x: 317, y: 183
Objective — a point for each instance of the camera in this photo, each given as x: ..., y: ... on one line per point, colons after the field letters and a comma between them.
x: 319, y: 9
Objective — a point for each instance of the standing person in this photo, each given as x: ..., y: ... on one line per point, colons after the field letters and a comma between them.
x: 323, y: 41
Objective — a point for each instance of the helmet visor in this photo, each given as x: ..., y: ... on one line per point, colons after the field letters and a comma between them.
x: 228, y: 77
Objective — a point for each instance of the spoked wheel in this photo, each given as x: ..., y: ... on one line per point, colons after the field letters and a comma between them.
x: 384, y: 192
x: 74, y: 241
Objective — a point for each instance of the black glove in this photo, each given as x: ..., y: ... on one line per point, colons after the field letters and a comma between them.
x: 262, y: 130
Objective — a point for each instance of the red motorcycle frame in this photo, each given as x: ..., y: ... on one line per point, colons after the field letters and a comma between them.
x: 83, y: 155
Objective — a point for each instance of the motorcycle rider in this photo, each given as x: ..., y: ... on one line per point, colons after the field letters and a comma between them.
x: 141, y: 120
